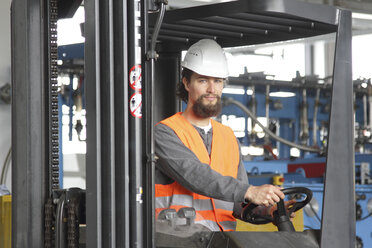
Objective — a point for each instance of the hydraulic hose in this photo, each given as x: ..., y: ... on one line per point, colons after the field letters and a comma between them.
x: 253, y: 106
x: 6, y: 165
x: 60, y: 231
x: 267, y: 108
x: 228, y: 101
x: 150, y: 147
x: 315, y: 117
x: 304, y: 125
x: 152, y: 53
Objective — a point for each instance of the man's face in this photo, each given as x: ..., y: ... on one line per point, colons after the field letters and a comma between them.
x: 205, y: 94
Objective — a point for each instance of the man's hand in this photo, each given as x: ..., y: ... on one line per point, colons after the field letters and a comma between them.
x: 269, y: 211
x: 266, y: 195
x: 287, y: 204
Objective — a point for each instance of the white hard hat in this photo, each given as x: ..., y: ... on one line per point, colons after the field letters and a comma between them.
x: 207, y: 58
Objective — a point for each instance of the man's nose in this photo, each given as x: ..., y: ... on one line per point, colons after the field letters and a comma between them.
x: 211, y: 86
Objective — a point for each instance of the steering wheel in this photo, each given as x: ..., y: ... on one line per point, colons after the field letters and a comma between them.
x: 281, y: 216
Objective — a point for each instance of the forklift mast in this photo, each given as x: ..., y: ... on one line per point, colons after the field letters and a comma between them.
x: 132, y: 66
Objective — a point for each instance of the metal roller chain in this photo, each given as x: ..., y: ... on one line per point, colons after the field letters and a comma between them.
x: 54, y: 133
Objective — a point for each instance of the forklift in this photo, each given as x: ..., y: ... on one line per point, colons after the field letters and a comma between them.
x: 132, y: 66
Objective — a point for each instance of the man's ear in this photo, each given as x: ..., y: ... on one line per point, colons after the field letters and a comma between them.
x: 185, y: 83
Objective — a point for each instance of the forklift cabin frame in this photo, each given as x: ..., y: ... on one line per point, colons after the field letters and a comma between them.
x: 120, y: 81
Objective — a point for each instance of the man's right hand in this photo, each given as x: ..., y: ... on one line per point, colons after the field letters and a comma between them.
x: 267, y: 195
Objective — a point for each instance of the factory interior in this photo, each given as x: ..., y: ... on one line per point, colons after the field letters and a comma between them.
x: 82, y: 84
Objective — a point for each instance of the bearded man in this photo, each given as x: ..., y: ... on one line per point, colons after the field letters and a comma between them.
x: 199, y: 164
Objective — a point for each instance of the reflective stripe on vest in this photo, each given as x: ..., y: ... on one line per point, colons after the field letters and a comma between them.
x: 183, y: 200
x: 224, y: 159
x: 211, y: 225
x: 228, y: 225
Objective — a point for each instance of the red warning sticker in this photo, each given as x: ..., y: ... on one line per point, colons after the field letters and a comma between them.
x: 135, y: 105
x: 135, y: 77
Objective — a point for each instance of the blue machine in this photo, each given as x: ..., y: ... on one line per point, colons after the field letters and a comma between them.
x: 294, y: 115
x: 307, y: 170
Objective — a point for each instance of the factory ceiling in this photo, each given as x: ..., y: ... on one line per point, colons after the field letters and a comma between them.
x: 362, y: 10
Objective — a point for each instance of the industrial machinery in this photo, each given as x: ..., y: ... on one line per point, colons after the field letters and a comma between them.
x: 289, y: 125
x: 132, y: 62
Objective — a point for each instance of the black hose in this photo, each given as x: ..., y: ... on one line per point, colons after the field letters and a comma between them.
x: 6, y: 165
x: 315, y: 213
x: 152, y: 53
x: 365, y: 217
x: 266, y: 130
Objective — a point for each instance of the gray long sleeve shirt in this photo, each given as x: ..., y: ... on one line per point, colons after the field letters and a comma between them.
x: 178, y: 163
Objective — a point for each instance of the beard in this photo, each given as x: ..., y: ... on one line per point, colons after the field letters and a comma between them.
x: 207, y: 110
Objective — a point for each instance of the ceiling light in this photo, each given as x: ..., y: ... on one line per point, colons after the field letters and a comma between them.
x: 361, y: 16
x: 282, y: 94
x: 235, y: 91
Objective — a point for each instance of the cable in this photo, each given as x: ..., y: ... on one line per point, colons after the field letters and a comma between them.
x: 315, y: 213
x: 365, y: 217
x: 5, y: 168
x: 266, y: 130
x: 315, y: 117
x: 152, y: 53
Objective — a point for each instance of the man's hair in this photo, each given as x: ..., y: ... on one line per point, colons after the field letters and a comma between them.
x: 181, y: 91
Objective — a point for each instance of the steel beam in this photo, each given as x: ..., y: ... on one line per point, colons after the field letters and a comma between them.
x: 100, y: 131
x: 113, y: 54
x: 30, y: 124
x: 338, y: 221
x: 121, y: 112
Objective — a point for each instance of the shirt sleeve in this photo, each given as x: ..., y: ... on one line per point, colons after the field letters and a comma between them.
x: 243, y: 177
x: 179, y: 163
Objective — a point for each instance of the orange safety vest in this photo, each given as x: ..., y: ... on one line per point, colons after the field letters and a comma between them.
x: 212, y: 213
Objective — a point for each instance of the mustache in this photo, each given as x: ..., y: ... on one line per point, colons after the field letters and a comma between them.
x: 208, y: 95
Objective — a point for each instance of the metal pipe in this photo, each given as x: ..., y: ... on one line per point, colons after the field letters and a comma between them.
x: 251, y: 24
x: 173, y: 33
x: 155, y: 33
x: 224, y: 27
x: 227, y: 101
x: 149, y: 142
x: 365, y: 110
x: 304, y: 124
x: 288, y: 84
x: 315, y: 117
x: 60, y: 234
x: 276, y: 20
x: 177, y: 39
x: 204, y: 30
x: 354, y: 112
x: 135, y: 127
x: 267, y: 109
x: 253, y: 106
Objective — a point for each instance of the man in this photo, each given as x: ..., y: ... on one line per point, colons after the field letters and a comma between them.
x: 199, y: 163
